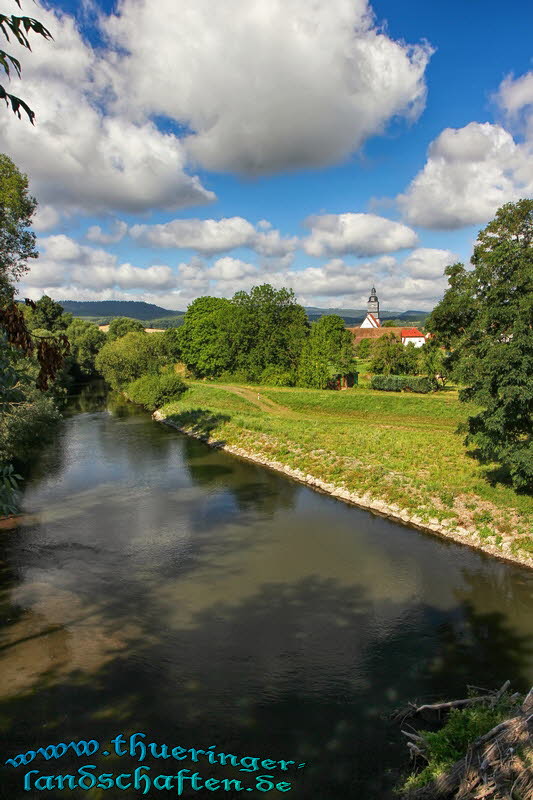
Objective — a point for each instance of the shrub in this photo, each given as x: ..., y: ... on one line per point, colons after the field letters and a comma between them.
x: 26, y: 428
x: 405, y: 383
x: 238, y: 376
x: 122, y: 361
x: 120, y: 326
x: 153, y: 391
x: 277, y: 376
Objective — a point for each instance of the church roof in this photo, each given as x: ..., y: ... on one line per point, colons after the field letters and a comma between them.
x: 376, y: 333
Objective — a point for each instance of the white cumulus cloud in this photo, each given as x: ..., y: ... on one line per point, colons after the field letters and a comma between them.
x: 264, y: 85
x: 211, y: 236
x: 471, y: 171
x: 64, y: 262
x: 81, y: 156
x: 358, y: 234
x: 428, y: 262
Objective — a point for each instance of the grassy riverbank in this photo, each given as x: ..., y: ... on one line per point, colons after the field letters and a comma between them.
x: 401, y: 450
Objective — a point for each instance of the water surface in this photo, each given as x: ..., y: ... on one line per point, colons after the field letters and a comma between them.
x: 170, y: 589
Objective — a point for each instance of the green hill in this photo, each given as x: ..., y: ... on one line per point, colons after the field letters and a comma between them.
x: 109, y: 309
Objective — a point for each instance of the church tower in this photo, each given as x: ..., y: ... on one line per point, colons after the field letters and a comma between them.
x: 373, y: 304
x: 372, y: 318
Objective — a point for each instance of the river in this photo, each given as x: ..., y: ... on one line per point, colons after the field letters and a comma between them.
x: 165, y: 588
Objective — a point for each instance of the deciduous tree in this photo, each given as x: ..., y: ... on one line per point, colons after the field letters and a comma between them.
x: 486, y: 317
x: 391, y: 357
x: 86, y: 341
x: 17, y: 242
x: 328, y: 351
x: 120, y: 326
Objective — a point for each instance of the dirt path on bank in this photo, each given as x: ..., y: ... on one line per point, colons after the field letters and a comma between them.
x: 257, y: 399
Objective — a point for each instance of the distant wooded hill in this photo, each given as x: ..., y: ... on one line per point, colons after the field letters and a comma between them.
x: 103, y: 311
x: 117, y: 308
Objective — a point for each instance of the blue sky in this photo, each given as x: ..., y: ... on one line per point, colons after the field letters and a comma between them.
x: 208, y: 148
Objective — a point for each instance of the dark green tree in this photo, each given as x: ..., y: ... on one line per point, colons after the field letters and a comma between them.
x: 268, y: 328
x: 204, y: 337
x: 19, y: 28
x: 486, y: 318
x: 120, y: 326
x: 328, y: 351
x: 46, y: 314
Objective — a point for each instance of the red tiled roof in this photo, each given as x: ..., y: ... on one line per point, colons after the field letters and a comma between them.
x: 374, y: 333
x: 407, y: 332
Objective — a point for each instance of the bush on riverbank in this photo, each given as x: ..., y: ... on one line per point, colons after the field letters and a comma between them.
x: 153, y: 391
x: 124, y: 360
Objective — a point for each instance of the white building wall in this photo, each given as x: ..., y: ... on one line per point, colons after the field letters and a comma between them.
x: 418, y: 341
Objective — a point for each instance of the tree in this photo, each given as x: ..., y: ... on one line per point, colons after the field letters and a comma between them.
x: 86, y: 341
x: 127, y: 358
x: 17, y: 243
x: 328, y: 351
x: 204, y: 337
x: 171, y: 341
x: 268, y: 328
x: 120, y: 326
x: 48, y: 315
x: 486, y: 317
x: 432, y: 359
x: 15, y: 25
x: 391, y: 357
x: 364, y: 348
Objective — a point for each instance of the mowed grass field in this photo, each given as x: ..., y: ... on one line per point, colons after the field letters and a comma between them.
x: 400, y: 448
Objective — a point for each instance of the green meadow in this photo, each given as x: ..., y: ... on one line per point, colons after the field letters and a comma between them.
x: 403, y: 449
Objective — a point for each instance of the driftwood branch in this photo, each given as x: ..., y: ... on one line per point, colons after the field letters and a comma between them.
x: 434, y: 711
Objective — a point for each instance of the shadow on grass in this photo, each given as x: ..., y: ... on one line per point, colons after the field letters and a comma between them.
x: 496, y: 474
x: 200, y: 422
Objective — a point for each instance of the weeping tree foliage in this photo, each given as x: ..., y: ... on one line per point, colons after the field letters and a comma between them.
x: 18, y: 28
x: 486, y: 319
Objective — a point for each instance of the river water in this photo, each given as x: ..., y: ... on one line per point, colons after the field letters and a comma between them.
x: 164, y: 588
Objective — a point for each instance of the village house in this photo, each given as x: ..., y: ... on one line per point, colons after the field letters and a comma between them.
x: 371, y: 327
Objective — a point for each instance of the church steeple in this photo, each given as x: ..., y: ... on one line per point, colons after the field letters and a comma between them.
x: 373, y: 304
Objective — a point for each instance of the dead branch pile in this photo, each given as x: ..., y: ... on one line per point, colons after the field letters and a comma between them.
x: 497, y: 766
